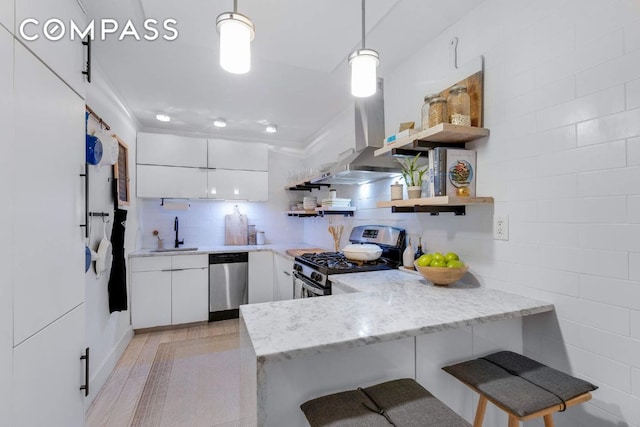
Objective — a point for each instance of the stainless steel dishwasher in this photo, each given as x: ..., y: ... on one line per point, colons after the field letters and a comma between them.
x: 228, y: 284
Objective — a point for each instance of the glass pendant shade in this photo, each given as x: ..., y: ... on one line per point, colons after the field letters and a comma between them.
x: 363, y: 63
x: 236, y: 33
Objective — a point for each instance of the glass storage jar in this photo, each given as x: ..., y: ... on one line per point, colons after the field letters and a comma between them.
x: 459, y: 106
x: 437, y: 111
x: 425, y: 109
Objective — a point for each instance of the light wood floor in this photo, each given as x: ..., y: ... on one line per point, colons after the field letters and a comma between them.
x: 116, y: 403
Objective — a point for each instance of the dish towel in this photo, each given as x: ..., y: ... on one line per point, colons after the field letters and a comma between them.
x: 118, y: 279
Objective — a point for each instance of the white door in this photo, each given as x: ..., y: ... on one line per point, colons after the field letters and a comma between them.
x: 171, y: 150
x: 189, y: 295
x: 48, y: 242
x: 48, y: 374
x: 238, y: 185
x: 260, y: 276
x: 150, y: 299
x: 65, y: 56
x: 6, y: 215
x: 169, y: 181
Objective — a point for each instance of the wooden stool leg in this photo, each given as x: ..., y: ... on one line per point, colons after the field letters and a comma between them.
x: 513, y: 421
x: 548, y: 420
x: 482, y: 407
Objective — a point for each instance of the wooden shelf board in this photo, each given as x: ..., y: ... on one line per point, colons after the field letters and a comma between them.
x: 443, y: 133
x: 437, y: 201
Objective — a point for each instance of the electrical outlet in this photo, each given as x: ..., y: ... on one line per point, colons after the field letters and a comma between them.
x: 501, y: 227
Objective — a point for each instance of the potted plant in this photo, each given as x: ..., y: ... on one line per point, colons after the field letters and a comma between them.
x: 413, y: 171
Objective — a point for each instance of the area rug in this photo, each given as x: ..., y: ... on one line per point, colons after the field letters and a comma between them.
x: 192, y: 383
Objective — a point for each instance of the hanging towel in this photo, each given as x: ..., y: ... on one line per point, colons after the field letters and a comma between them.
x: 118, y: 279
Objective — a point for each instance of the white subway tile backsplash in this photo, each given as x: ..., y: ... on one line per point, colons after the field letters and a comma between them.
x: 623, y: 293
x: 635, y: 381
x: 611, y: 372
x: 627, y: 407
x: 602, y: 156
x: 610, y: 128
x: 601, y: 103
x: 558, y: 234
x: 633, y: 152
x: 615, y: 237
x: 557, y: 210
x: 633, y: 94
x: 635, y: 324
x: 611, y: 73
x: 589, y: 261
x: 614, y: 346
x: 634, y: 266
x: 621, y: 181
x: 602, y: 209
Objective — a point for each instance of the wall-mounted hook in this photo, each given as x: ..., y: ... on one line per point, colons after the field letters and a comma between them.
x: 453, y: 53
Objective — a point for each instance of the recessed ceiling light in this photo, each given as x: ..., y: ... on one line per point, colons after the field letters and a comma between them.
x: 220, y: 123
x: 163, y: 117
x: 271, y: 129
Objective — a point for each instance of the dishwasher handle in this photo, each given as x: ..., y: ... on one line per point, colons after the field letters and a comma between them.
x: 228, y: 258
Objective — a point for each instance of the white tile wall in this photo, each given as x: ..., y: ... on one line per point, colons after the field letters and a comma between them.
x: 562, y: 101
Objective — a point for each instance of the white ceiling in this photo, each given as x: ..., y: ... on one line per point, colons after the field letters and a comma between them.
x: 299, y: 78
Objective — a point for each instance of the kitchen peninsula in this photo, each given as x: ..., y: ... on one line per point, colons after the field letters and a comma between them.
x: 389, y: 324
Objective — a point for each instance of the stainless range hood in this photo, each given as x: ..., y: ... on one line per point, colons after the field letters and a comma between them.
x: 362, y: 166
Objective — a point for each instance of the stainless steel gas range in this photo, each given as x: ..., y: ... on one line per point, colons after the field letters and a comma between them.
x: 311, y: 271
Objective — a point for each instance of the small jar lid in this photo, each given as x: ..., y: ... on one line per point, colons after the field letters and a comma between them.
x: 458, y: 89
x: 429, y: 97
x: 437, y: 99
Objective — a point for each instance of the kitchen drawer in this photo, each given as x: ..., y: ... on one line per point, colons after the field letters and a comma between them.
x: 150, y: 263
x: 180, y: 262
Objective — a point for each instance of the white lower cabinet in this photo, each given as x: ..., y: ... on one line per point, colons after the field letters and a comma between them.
x: 283, y: 281
x: 189, y: 295
x: 150, y: 299
x: 260, y: 276
x: 170, y: 181
x: 169, y: 290
x: 48, y: 373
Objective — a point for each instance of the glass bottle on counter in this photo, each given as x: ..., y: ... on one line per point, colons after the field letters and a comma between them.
x: 419, y: 252
x: 438, y: 111
x: 425, y: 109
x: 459, y: 106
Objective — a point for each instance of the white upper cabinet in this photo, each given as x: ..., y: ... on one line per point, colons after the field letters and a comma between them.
x: 238, y: 155
x: 66, y: 57
x: 166, y: 181
x: 48, y: 152
x: 171, y: 150
x: 6, y: 14
x: 238, y: 185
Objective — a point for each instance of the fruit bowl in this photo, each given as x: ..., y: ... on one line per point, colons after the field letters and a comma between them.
x: 441, y: 276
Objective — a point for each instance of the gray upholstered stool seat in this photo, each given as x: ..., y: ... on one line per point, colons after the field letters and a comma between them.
x: 402, y: 402
x: 520, y: 386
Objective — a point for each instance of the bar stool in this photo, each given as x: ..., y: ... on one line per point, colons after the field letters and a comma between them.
x: 401, y: 403
x: 524, y: 388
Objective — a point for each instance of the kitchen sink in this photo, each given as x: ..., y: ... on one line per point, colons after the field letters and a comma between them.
x: 174, y: 250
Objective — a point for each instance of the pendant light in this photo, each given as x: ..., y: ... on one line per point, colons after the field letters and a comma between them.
x: 363, y: 68
x: 236, y: 33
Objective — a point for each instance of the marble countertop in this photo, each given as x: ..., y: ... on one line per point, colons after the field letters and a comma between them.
x: 383, y: 306
x: 279, y: 248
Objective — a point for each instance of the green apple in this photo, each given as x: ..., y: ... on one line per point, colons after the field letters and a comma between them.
x: 437, y: 256
x: 424, y: 260
x: 454, y: 263
x: 451, y: 256
x: 438, y: 263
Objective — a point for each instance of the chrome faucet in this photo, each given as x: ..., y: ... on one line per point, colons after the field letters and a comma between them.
x: 176, y: 227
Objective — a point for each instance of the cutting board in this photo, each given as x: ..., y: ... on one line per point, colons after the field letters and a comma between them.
x: 299, y: 252
x: 236, y: 229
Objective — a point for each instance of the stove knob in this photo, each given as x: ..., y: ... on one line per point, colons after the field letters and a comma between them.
x: 316, y: 276
x: 297, y: 267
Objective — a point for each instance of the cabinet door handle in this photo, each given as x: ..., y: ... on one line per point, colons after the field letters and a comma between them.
x: 85, y: 357
x: 287, y: 273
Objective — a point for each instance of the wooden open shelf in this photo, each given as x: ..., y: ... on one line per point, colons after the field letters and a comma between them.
x: 442, y: 134
x: 435, y: 205
x: 322, y: 212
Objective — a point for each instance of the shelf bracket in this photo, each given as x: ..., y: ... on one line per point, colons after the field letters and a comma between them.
x: 434, y: 210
